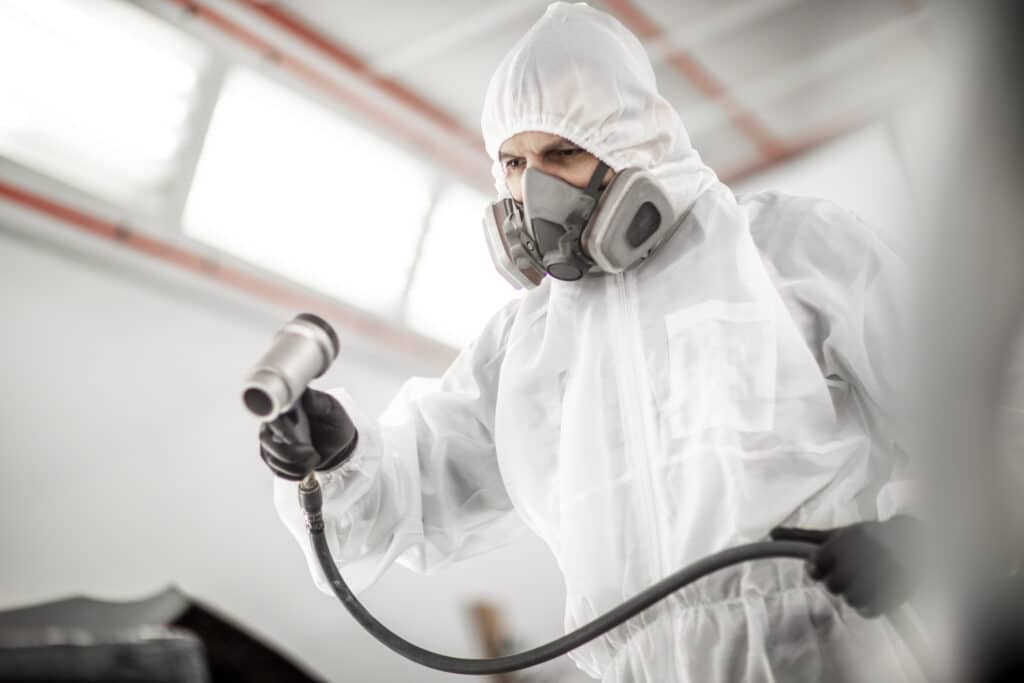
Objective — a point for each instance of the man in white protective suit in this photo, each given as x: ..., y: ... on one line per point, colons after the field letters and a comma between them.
x: 685, y: 377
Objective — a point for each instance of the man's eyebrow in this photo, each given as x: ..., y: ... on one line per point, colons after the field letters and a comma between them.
x: 561, y: 143
x: 551, y: 146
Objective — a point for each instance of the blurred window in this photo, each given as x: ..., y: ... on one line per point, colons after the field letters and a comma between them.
x: 288, y: 184
x: 456, y: 288
x: 95, y: 94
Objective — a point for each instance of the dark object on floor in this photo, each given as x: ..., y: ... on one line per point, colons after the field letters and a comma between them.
x: 166, y: 638
x: 149, y: 654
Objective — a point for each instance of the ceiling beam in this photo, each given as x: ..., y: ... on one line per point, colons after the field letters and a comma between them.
x: 471, y: 27
x: 726, y: 21
x: 348, y: 60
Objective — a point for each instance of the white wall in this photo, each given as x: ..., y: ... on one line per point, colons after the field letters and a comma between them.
x: 862, y: 171
x: 129, y: 463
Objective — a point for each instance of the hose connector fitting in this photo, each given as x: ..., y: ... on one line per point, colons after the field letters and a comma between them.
x: 312, y: 500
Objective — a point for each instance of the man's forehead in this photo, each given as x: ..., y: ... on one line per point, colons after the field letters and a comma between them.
x: 531, y: 142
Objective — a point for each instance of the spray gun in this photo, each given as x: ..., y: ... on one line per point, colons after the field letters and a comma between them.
x: 301, y: 351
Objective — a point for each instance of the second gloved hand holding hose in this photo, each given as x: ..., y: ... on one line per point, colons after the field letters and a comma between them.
x: 290, y: 454
x: 867, y: 563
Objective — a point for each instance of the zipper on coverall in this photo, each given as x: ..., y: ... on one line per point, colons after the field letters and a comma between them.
x: 640, y: 435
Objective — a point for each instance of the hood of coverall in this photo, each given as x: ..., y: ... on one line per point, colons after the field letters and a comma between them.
x: 580, y: 74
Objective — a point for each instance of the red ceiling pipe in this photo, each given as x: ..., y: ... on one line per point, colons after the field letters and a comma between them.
x: 767, y: 144
x: 476, y: 174
x: 263, y: 288
x: 351, y: 62
x: 796, y: 148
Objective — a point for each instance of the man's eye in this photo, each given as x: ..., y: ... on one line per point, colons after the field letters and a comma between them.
x: 565, y: 153
x: 512, y: 164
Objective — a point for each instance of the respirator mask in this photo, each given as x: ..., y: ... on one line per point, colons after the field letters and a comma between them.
x: 567, y: 232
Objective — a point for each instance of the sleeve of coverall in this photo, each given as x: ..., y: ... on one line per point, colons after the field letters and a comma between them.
x: 868, y: 347
x: 422, y: 487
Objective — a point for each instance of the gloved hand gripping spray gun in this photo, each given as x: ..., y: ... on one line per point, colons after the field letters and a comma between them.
x: 302, y: 351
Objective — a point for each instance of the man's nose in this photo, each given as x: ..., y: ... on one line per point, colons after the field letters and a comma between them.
x: 539, y: 163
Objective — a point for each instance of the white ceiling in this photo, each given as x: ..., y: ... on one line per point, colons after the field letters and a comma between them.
x: 804, y: 70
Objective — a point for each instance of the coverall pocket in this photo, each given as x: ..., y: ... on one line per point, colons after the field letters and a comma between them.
x: 722, y: 362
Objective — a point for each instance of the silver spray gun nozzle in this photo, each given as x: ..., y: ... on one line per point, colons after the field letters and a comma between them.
x: 302, y: 350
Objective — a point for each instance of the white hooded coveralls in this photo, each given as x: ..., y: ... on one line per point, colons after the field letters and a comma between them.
x: 639, y: 422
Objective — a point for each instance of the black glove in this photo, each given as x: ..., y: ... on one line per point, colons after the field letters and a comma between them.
x: 292, y: 454
x: 864, y: 563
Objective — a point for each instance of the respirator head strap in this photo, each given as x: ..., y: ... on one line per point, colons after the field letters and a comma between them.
x: 593, y: 188
x: 584, y: 209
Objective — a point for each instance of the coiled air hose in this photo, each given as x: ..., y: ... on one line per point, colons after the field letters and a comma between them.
x: 311, y: 499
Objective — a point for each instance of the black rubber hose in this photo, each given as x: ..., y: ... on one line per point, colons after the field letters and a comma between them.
x: 559, y: 646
